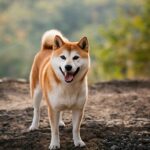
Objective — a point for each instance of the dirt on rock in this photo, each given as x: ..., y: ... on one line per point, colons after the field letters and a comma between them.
x: 117, y: 117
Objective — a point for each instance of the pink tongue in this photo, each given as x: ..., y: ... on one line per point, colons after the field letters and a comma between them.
x: 69, y: 77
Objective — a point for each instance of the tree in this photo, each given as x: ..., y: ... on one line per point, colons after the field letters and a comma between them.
x: 125, y: 53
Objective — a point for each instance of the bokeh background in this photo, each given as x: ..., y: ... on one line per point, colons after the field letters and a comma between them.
x: 118, y: 31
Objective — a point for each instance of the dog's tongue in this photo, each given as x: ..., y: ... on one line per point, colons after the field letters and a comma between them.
x: 68, y: 77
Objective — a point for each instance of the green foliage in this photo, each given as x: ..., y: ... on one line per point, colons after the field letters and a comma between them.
x: 125, y: 51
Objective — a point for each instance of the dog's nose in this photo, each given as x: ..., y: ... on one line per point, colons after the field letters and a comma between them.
x: 68, y: 67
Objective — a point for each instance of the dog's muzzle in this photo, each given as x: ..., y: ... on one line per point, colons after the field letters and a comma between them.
x: 69, y: 76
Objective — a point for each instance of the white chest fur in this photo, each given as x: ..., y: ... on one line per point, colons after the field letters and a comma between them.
x: 71, y: 96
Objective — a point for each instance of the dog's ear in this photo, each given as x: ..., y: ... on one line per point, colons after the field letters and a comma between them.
x: 58, y: 42
x: 84, y: 44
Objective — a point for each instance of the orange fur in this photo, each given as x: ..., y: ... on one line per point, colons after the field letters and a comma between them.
x: 39, y: 62
x: 69, y: 46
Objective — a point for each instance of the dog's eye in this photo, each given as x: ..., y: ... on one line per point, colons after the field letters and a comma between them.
x: 63, y: 57
x: 75, y: 57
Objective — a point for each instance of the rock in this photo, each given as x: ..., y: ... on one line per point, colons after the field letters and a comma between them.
x: 92, y: 124
x: 114, y: 147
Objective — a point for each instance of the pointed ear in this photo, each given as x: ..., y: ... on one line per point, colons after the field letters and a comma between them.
x: 84, y: 44
x: 58, y: 42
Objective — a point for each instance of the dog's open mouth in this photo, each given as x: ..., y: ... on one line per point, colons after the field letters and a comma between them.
x: 69, y: 76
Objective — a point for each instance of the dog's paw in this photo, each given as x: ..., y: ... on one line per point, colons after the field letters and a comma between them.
x: 79, y: 143
x: 33, y: 127
x: 54, y: 146
x: 61, y: 124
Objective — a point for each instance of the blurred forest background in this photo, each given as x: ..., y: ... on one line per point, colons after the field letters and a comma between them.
x: 118, y: 31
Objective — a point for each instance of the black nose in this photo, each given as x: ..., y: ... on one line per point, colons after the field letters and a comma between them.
x: 68, y: 67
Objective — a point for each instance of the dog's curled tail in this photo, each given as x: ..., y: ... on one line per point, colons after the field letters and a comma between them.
x: 48, y: 37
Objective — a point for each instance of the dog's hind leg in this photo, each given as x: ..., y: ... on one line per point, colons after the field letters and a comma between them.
x: 37, y: 97
x: 61, y: 122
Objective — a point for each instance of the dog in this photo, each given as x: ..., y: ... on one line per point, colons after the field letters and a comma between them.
x: 59, y: 74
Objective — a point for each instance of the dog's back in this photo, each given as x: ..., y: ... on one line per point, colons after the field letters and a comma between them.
x: 42, y: 58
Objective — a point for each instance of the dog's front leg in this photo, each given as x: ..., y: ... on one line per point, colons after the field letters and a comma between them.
x: 76, y: 121
x: 54, y: 122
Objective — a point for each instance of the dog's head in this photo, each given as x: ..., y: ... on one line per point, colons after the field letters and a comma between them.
x: 70, y: 60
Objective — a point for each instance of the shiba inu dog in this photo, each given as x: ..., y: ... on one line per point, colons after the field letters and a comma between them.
x: 59, y: 74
